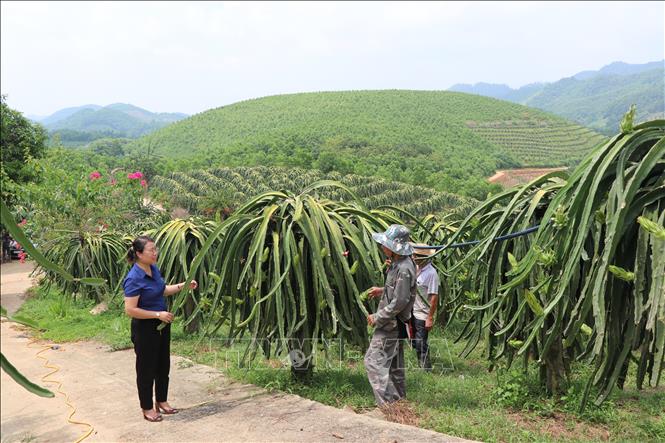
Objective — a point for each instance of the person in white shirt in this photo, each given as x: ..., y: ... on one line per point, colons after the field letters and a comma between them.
x: 424, y: 307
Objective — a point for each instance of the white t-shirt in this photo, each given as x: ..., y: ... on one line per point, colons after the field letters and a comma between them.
x: 427, y: 284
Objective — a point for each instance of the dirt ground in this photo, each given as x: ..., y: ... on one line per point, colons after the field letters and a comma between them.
x: 101, y: 386
x: 508, y: 178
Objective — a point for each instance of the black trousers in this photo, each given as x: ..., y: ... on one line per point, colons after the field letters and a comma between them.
x: 419, y: 342
x: 153, y: 360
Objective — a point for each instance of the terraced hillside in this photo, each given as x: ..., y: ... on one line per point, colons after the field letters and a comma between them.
x: 417, y: 137
x: 553, y: 143
x: 206, y: 190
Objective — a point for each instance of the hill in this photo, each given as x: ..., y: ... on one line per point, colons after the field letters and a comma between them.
x: 596, y: 99
x: 619, y: 68
x: 494, y: 90
x: 63, y: 114
x: 601, y: 101
x: 433, y: 138
x: 116, y: 120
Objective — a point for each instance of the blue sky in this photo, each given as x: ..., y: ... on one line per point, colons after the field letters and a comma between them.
x: 190, y: 57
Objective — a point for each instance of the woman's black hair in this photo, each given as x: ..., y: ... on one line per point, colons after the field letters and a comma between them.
x: 137, y: 246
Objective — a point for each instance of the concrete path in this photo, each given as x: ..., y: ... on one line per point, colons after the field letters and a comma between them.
x: 15, y: 281
x: 101, y: 385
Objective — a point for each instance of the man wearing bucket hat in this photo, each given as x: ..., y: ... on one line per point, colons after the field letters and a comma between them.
x: 384, y: 359
x: 424, y: 306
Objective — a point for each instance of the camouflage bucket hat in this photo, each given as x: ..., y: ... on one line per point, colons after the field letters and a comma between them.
x: 396, y: 238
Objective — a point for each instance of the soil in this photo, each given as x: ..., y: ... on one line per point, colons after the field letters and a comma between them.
x: 562, y: 427
x: 508, y: 178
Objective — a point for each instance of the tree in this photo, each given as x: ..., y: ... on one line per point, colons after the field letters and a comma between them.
x: 20, y: 141
x: 113, y: 147
x: 145, y: 159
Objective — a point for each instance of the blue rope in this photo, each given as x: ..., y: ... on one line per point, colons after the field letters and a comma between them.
x: 475, y: 242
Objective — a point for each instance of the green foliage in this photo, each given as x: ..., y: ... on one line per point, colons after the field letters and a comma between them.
x: 20, y: 141
x: 588, y: 230
x: 596, y: 100
x: 119, y: 119
x: 19, y: 378
x: 71, y: 138
x: 222, y: 189
x: 179, y: 242
x: 112, y: 147
x: 284, y: 267
x: 601, y: 101
x: 89, y: 254
x: 540, y: 142
x: 521, y: 390
x: 417, y: 137
x: 74, y: 195
x: 16, y: 232
x: 83, y: 219
x: 515, y: 389
x: 62, y: 318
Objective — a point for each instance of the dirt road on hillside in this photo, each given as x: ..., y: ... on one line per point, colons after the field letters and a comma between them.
x: 101, y: 386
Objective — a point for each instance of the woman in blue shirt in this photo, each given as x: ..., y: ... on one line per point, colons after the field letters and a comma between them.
x: 145, y: 302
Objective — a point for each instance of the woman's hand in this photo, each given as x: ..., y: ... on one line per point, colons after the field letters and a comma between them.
x: 192, y: 285
x: 165, y: 316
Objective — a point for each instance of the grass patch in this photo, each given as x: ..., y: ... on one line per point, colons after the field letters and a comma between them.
x: 64, y: 319
x: 460, y: 397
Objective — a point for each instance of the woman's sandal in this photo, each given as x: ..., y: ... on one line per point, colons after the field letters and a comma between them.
x: 167, y: 411
x: 153, y: 419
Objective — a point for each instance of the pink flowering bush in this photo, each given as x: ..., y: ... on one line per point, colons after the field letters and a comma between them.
x: 71, y: 198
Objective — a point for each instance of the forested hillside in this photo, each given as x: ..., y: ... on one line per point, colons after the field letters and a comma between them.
x: 428, y: 138
x: 79, y: 126
x: 596, y: 99
x: 599, y: 102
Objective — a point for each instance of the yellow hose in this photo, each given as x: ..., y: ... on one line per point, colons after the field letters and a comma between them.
x: 68, y: 402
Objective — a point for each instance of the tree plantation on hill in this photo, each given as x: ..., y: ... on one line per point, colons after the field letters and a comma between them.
x: 215, y: 189
x: 416, y: 137
x: 553, y: 144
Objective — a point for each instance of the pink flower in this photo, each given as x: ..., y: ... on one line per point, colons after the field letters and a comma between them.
x: 23, y: 222
x: 95, y: 175
x: 137, y: 174
x: 131, y: 176
x: 144, y: 183
x: 345, y: 253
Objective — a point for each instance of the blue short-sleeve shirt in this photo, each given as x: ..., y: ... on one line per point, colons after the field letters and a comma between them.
x: 150, y: 290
